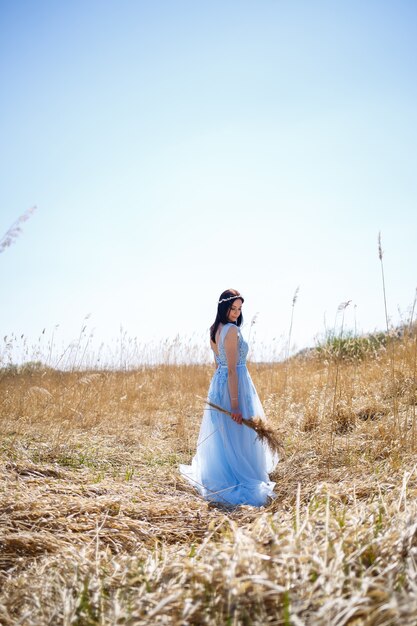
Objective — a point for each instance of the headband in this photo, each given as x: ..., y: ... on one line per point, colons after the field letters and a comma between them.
x: 231, y: 298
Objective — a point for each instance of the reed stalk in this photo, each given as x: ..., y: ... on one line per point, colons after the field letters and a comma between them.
x: 410, y: 323
x: 287, y: 353
x: 390, y: 341
x: 413, y: 332
x: 342, y: 307
x: 252, y: 323
x: 15, y: 230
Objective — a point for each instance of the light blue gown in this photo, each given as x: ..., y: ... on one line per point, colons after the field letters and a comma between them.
x: 231, y: 465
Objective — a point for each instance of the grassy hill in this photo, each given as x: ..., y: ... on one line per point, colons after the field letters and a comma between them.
x: 97, y: 526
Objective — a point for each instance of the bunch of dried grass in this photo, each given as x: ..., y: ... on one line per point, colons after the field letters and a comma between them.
x: 264, y: 432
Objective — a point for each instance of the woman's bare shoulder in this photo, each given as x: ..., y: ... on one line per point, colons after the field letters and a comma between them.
x: 231, y: 332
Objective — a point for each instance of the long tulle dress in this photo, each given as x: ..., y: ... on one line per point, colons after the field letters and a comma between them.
x: 231, y: 465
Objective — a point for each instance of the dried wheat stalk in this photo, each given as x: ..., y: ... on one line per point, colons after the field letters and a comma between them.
x: 265, y: 433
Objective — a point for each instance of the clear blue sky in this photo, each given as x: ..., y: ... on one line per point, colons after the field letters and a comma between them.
x: 178, y: 148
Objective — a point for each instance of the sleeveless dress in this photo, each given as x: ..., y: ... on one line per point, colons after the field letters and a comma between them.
x: 231, y: 465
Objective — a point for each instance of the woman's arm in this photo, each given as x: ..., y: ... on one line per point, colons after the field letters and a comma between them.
x: 231, y: 349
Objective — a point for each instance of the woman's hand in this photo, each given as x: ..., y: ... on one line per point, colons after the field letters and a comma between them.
x: 237, y: 416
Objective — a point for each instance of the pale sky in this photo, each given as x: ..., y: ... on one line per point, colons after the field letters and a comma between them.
x: 175, y: 149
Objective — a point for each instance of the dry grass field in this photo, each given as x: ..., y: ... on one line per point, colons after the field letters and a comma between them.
x: 97, y: 526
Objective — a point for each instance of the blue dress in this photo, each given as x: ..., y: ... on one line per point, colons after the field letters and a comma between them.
x: 231, y: 465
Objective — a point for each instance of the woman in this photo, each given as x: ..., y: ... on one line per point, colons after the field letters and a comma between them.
x: 231, y: 465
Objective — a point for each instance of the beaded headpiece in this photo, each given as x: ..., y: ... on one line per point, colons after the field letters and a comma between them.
x: 227, y: 299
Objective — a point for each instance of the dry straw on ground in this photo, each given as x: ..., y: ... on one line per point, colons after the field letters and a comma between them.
x: 98, y: 527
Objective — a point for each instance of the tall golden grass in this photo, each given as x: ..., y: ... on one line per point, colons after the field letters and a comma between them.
x: 98, y: 527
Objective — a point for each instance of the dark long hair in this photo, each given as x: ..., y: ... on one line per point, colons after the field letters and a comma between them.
x: 223, y: 310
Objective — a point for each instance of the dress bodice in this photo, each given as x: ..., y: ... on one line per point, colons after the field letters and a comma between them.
x: 242, y: 347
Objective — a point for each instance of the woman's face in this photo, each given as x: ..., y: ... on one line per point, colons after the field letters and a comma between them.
x: 235, y: 310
